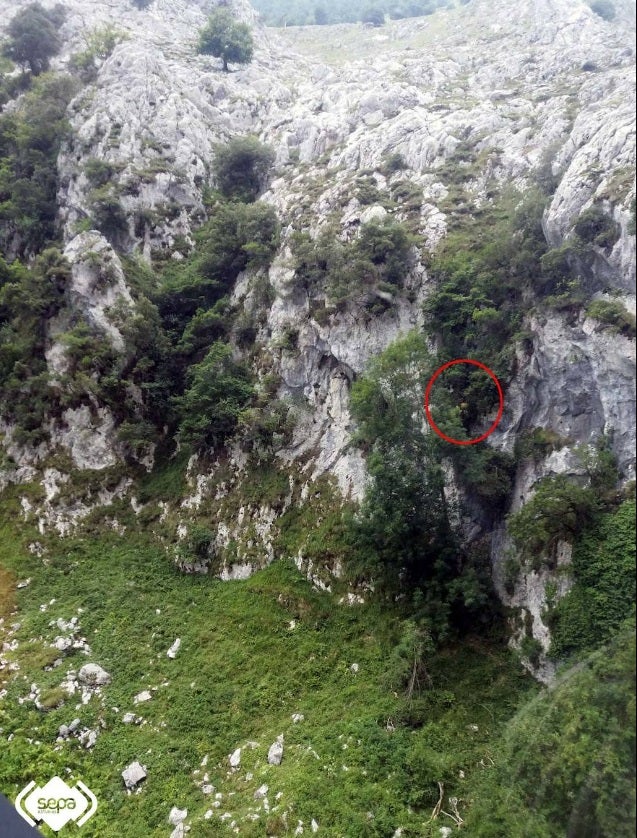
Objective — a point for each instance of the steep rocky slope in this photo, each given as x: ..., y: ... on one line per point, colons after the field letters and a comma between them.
x: 537, y: 85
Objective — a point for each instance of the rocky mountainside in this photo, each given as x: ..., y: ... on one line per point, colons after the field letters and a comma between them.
x: 487, y: 90
x: 456, y: 185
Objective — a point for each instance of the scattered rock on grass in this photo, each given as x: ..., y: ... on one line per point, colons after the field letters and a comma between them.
x: 275, y: 753
x: 133, y: 775
x: 92, y: 675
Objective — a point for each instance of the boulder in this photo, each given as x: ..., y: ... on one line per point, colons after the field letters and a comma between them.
x: 275, y: 753
x: 133, y: 775
x: 93, y: 675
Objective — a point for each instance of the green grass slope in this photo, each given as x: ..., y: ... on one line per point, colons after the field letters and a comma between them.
x: 363, y: 762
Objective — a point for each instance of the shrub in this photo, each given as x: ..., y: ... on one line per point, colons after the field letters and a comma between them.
x: 614, y: 315
x: 100, y: 43
x: 225, y: 38
x: 394, y: 162
x: 241, y: 168
x: 30, y: 140
x: 373, y: 16
x: 559, y: 510
x: 595, y: 226
x: 566, y: 763
x: 388, y: 246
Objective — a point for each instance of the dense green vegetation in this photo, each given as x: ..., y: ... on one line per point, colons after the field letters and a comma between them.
x: 30, y: 139
x: 321, y: 12
x: 241, y: 168
x: 368, y: 269
x: 403, y: 537
x: 566, y: 763
x: 603, y: 592
x: 377, y: 740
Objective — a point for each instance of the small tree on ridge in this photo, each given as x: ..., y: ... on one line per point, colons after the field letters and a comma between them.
x: 225, y: 38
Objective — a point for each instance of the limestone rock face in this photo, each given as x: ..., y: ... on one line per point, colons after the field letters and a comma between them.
x: 491, y: 92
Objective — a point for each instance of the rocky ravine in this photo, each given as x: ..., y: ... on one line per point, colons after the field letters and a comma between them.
x: 504, y: 78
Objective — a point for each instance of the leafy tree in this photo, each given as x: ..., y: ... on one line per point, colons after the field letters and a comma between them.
x: 218, y: 390
x: 225, y: 38
x: 559, y: 510
x: 402, y: 532
x: 596, y: 226
x: 34, y: 38
x: 241, y: 167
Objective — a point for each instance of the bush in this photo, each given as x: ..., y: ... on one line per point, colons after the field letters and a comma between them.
x: 614, y: 315
x: 373, y: 16
x: 225, y: 38
x: 559, y: 510
x: 241, y: 168
x: 394, y: 162
x: 33, y: 37
x: 100, y: 44
x: 594, y: 226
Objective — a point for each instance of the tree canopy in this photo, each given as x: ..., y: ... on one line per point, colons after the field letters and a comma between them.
x: 33, y: 37
x: 226, y: 38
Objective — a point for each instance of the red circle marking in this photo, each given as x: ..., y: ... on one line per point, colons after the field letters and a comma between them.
x: 496, y: 421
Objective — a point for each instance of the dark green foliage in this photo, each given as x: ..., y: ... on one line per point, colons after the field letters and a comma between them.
x: 98, y: 172
x: 33, y: 37
x: 614, y: 315
x: 402, y: 537
x: 218, y: 390
x: 604, y: 8
x: 632, y: 224
x: 566, y: 764
x: 537, y: 443
x: 559, y: 510
x: 241, y: 168
x: 30, y: 139
x: 28, y: 298
x: 108, y: 216
x: 378, y: 260
x: 402, y: 532
x: 238, y: 236
x: 476, y: 308
x: 595, y: 226
x: 603, y: 593
x: 225, y: 38
x: 394, y: 162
